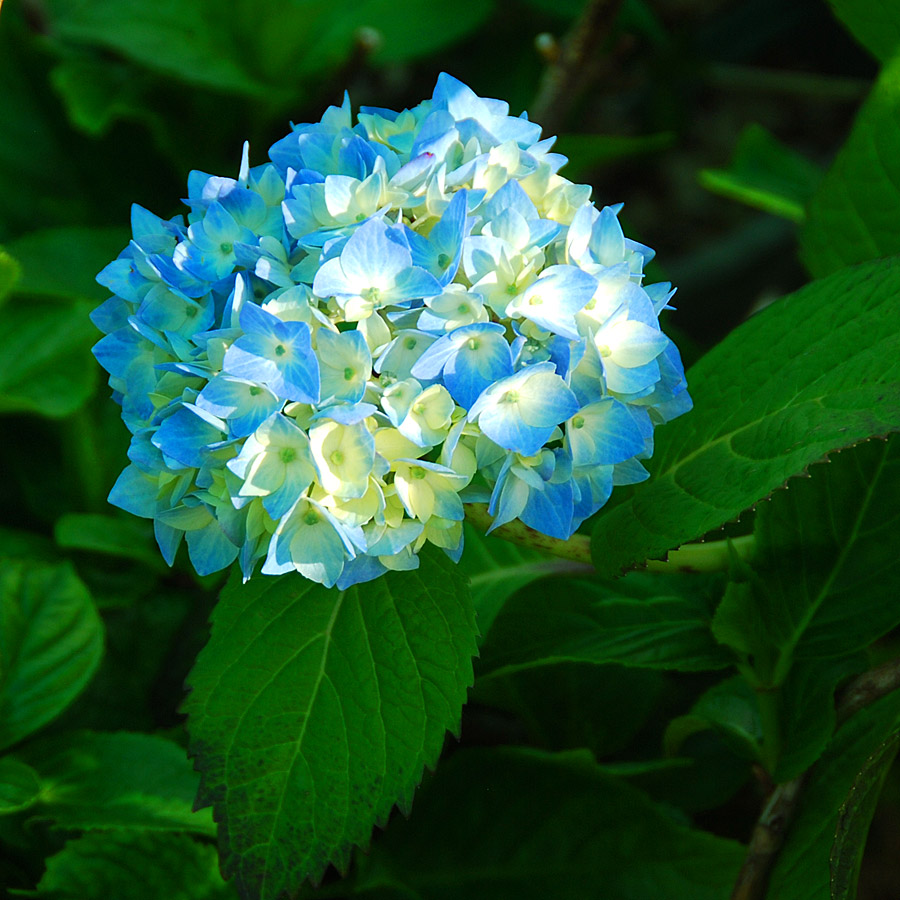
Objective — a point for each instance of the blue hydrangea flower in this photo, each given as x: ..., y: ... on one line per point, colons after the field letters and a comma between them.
x: 399, y: 313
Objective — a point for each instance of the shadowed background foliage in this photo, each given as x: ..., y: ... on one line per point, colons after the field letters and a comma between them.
x: 675, y: 107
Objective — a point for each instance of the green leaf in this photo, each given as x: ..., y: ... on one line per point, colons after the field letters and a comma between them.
x: 573, y: 705
x: 826, y: 558
x: 98, y: 92
x: 51, y: 641
x: 813, y: 372
x: 64, y: 262
x: 874, y: 23
x: 641, y: 621
x: 807, y: 711
x: 19, y: 785
x: 187, y: 41
x: 497, y: 569
x: 766, y: 175
x: 97, y: 780
x: 513, y: 824
x: 313, y: 712
x: 10, y: 272
x: 45, y: 362
x: 802, y: 871
x: 729, y: 708
x: 856, y: 816
x: 133, y: 866
x: 852, y: 217
x: 113, y: 536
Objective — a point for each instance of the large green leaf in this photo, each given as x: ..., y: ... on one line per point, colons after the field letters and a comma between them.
x: 853, y: 215
x: 831, y: 804
x: 766, y: 174
x: 46, y: 365
x: 313, y: 712
x: 96, y: 780
x: 815, y: 371
x: 186, y: 40
x: 19, y: 785
x: 264, y: 48
x: 874, y: 23
x: 132, y: 866
x: 51, y: 641
x: 63, y: 262
x: 642, y: 621
x: 511, y: 824
x: 827, y: 563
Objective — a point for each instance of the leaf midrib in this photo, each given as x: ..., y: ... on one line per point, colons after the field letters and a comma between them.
x: 787, y: 652
x: 314, y: 693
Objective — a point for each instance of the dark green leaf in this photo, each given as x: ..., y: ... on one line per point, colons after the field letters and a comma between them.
x: 497, y: 569
x: 64, y: 262
x: 51, y: 641
x: 19, y: 785
x: 512, y: 824
x: 571, y: 705
x: 706, y: 773
x: 856, y: 816
x: 98, y: 92
x: 802, y: 869
x: 729, y: 708
x: 807, y: 714
x: 18, y: 544
x: 125, y: 538
x: 38, y: 181
x: 313, y: 712
x: 130, y: 866
x: 874, y: 23
x: 852, y: 216
x: 45, y: 360
x: 767, y: 175
x: 813, y: 372
x: 10, y: 272
x: 640, y: 621
x: 96, y: 780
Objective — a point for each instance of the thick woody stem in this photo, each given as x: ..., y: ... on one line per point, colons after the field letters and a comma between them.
x: 772, y: 825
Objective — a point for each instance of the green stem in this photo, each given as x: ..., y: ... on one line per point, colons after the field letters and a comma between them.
x: 713, y: 556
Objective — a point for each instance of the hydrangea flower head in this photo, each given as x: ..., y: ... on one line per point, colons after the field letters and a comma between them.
x: 393, y: 317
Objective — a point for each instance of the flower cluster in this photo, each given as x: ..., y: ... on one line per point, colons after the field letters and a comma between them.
x: 341, y: 347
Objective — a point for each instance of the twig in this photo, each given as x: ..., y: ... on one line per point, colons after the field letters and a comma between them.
x: 569, y: 74
x: 867, y: 688
x: 772, y: 825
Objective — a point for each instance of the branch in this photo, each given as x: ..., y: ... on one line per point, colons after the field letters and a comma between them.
x: 574, y: 67
x: 772, y: 825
